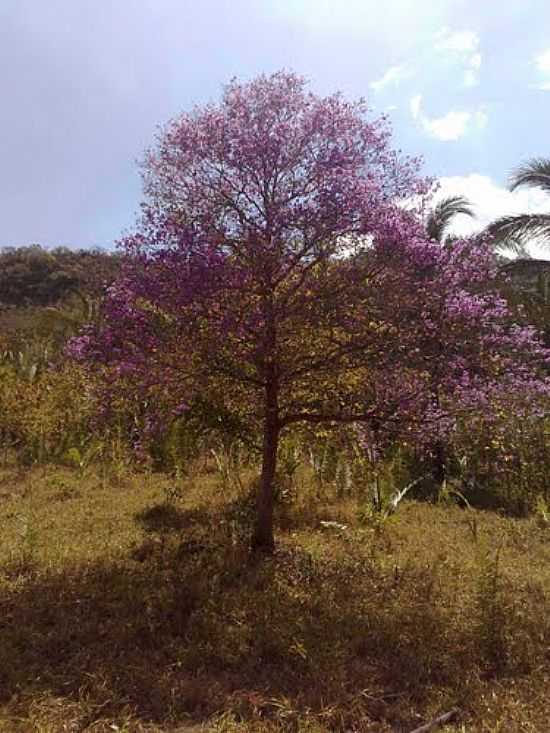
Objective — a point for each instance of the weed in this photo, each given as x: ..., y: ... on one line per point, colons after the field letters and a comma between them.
x: 492, y: 617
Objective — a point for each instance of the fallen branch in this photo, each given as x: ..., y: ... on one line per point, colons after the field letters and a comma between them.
x: 436, y: 722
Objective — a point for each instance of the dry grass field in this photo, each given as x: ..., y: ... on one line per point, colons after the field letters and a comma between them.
x: 125, y: 608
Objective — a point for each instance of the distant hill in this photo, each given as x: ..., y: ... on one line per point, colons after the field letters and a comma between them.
x: 35, y: 277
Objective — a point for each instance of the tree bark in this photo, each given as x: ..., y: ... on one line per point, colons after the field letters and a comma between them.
x: 263, y: 539
x: 439, y: 463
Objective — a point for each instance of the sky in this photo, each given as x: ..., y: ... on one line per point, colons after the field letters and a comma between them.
x: 85, y: 84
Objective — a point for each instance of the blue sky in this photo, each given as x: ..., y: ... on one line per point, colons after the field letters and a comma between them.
x: 85, y: 83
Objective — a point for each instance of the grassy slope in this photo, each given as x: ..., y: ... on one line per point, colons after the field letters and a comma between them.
x: 120, y: 613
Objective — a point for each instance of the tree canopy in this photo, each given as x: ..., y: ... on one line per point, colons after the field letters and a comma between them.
x: 280, y: 269
x: 518, y: 229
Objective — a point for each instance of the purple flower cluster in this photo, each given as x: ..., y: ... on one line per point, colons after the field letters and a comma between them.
x: 277, y: 254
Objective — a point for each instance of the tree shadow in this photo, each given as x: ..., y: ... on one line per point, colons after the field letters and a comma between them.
x: 193, y: 630
x: 165, y: 518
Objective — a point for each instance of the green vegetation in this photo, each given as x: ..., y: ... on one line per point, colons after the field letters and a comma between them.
x: 32, y: 276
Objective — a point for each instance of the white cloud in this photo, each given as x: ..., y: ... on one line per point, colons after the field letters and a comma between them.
x: 475, y: 60
x: 471, y: 73
x: 490, y: 202
x: 542, y: 64
x: 481, y: 118
x: 398, y: 23
x: 471, y: 78
x: 452, y: 57
x: 416, y: 103
x: 543, y: 61
x: 393, y: 76
x: 463, y: 48
x: 461, y: 41
x: 453, y: 125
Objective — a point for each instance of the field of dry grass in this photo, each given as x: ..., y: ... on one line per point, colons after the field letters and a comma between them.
x: 121, y: 611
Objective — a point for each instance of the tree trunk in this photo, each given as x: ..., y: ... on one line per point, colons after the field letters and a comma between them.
x: 262, y: 539
x: 439, y: 463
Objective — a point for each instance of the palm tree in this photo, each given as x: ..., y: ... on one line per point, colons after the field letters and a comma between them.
x: 515, y: 231
x: 437, y: 226
x: 442, y: 215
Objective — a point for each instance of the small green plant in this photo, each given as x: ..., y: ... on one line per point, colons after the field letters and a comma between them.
x: 542, y: 512
x: 381, y: 507
x: 324, y: 460
x: 449, y: 495
x: 24, y: 558
x: 289, y: 458
x: 227, y: 456
x: 173, y: 492
x: 344, y: 478
x: 492, y: 618
x: 82, y: 457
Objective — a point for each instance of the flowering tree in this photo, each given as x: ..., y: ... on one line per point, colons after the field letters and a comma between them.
x: 480, y: 362
x: 277, y: 265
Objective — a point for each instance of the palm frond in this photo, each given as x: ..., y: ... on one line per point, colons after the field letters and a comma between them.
x: 533, y: 174
x: 512, y: 232
x: 444, y: 212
